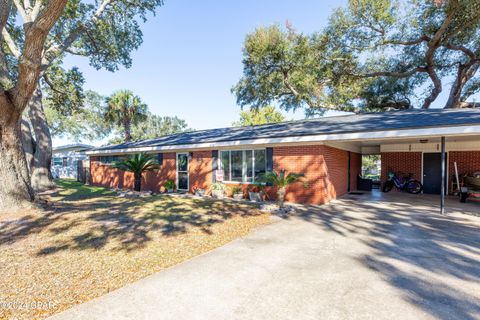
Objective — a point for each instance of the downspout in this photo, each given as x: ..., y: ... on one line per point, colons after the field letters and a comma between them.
x: 349, y: 173
x: 442, y: 196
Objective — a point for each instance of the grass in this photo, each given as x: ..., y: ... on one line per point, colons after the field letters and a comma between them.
x: 88, y: 242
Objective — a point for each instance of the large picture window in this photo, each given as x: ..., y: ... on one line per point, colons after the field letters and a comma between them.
x: 242, y: 165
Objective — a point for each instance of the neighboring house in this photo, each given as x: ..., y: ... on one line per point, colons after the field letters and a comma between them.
x: 327, y: 150
x: 65, y: 160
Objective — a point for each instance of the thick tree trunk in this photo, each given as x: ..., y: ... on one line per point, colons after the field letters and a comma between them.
x: 42, y: 157
x: 15, y: 189
x: 28, y: 143
x: 437, y: 88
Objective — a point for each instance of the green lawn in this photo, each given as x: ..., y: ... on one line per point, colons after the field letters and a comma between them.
x: 89, y: 241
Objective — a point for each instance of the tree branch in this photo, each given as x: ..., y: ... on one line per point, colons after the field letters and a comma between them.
x: 11, y: 44
x: 36, y: 9
x: 56, y: 51
x: 463, y: 49
x: 22, y: 11
x: 423, y: 38
x: 51, y: 85
x: 30, y: 61
x: 394, y: 74
x: 5, y: 8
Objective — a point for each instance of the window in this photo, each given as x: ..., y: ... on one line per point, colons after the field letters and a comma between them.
x: 236, y: 161
x: 64, y: 161
x: 108, y: 159
x: 242, y: 165
x: 57, y: 161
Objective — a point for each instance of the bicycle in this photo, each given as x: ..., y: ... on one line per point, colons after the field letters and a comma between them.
x: 406, y: 184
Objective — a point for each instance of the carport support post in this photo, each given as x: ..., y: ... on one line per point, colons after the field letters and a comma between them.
x: 442, y: 197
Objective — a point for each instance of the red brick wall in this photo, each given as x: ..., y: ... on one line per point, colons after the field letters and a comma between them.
x: 467, y: 162
x: 105, y: 175
x: 403, y: 162
x: 154, y: 180
x: 325, y: 169
x: 200, y: 170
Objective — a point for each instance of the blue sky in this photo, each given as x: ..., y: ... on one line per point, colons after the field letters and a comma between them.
x: 191, y: 55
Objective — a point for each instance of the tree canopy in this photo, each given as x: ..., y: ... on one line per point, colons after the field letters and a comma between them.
x: 34, y: 36
x: 373, y: 55
x: 294, y: 70
x: 125, y: 109
x: 85, y: 122
x: 256, y: 116
x: 151, y: 127
x: 422, y: 41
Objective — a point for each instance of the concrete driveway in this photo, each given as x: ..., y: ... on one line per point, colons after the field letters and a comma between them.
x: 361, y: 257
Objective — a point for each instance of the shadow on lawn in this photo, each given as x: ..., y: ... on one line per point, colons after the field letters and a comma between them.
x: 408, y: 241
x: 124, y: 223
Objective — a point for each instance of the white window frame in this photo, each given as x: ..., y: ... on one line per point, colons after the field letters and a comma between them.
x: 228, y: 179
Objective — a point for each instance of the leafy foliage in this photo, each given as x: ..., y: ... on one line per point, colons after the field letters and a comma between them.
x: 155, y: 126
x: 422, y: 41
x: 169, y: 185
x: 257, y: 116
x: 125, y: 109
x: 84, y: 122
x: 295, y: 70
x: 373, y: 55
x: 138, y: 164
x: 280, y: 179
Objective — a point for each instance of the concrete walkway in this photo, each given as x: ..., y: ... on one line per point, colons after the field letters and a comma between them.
x: 361, y: 257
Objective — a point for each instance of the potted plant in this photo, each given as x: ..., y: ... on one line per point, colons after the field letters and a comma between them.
x: 169, y: 186
x: 256, y: 192
x: 138, y: 164
x: 218, y: 190
x: 237, y: 193
x: 199, y: 192
x: 281, y: 181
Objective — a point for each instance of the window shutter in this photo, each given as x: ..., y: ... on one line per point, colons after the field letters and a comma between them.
x: 269, y: 155
x: 214, y: 165
x: 160, y: 158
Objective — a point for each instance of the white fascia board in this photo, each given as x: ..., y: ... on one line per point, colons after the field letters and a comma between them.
x: 356, y: 136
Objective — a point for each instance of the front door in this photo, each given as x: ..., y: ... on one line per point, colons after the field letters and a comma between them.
x: 432, y: 173
x: 182, y: 171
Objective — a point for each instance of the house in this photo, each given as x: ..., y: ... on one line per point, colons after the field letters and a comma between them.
x: 327, y: 150
x: 65, y: 160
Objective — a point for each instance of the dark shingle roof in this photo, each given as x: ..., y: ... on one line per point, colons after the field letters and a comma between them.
x: 394, y: 120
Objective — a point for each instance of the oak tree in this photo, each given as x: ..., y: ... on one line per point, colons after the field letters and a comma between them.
x: 47, y: 30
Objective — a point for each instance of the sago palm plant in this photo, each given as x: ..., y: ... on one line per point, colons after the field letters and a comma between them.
x: 138, y: 164
x: 281, y: 181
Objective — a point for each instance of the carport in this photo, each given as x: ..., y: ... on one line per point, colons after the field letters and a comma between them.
x: 428, y: 151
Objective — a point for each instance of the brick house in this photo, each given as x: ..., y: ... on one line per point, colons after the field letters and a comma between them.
x: 327, y: 150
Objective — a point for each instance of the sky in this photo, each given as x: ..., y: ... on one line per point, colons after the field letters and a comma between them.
x: 191, y: 56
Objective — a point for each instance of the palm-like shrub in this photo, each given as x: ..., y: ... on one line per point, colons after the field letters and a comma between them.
x: 138, y: 164
x: 281, y: 181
